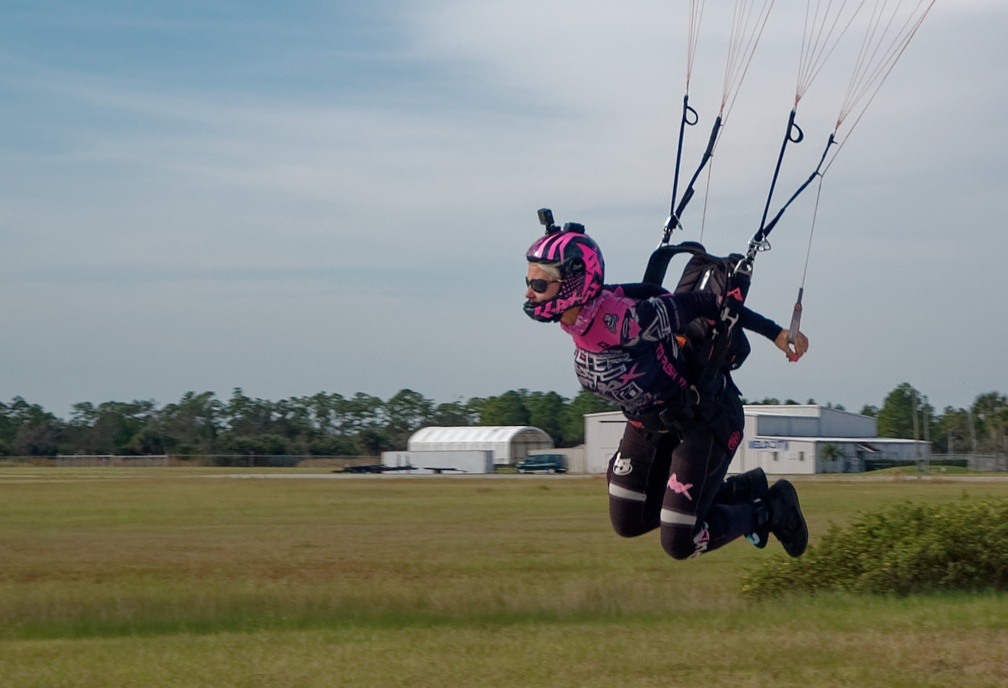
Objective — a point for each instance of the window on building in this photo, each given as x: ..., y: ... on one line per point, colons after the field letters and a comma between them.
x: 775, y: 456
x: 801, y: 456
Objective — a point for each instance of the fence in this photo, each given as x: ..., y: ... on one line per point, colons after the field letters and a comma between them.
x: 146, y: 461
x: 222, y: 460
x: 983, y: 463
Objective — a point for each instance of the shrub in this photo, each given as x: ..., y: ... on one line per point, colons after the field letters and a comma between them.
x: 903, y: 548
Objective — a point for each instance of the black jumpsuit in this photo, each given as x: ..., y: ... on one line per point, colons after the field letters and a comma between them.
x: 627, y: 353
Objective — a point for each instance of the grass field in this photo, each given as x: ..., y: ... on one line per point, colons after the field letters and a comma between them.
x: 179, y: 577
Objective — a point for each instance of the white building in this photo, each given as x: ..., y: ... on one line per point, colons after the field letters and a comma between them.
x: 508, y: 444
x: 783, y: 439
x: 438, y: 462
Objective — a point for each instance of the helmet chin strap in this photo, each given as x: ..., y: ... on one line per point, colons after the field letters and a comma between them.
x: 534, y: 310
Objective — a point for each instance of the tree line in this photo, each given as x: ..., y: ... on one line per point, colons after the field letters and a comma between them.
x: 326, y: 424
x: 329, y: 424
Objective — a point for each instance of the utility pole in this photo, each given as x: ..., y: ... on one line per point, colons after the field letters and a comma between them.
x: 972, y: 429
x: 927, y: 436
x: 913, y: 411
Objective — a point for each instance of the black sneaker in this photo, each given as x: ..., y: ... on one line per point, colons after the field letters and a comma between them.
x: 743, y: 487
x: 786, y: 520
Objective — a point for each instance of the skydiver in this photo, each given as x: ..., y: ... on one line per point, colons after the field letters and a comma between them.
x: 669, y: 471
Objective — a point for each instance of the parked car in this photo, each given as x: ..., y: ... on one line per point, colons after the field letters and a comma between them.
x: 543, y: 463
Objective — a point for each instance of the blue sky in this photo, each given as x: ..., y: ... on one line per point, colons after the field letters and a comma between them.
x: 302, y: 197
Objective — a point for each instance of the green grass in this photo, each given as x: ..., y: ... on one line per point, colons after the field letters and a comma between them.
x: 197, y: 577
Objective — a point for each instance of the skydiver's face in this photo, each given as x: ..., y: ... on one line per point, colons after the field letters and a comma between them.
x: 538, y: 278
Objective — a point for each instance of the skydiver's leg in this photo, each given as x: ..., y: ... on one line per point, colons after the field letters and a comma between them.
x: 743, y: 487
x: 692, y: 522
x: 636, y: 476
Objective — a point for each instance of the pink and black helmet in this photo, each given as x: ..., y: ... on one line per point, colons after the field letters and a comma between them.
x: 582, y: 269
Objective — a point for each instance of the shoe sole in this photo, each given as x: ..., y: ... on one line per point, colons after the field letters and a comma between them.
x: 786, y: 493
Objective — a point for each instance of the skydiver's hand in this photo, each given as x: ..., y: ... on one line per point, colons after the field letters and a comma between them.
x: 793, y: 351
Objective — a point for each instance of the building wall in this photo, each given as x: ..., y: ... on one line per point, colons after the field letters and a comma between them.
x: 779, y: 439
x: 777, y: 455
x: 808, y: 421
x: 603, y: 432
x: 433, y: 462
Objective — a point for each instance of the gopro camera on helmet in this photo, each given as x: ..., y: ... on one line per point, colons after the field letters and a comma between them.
x: 546, y: 219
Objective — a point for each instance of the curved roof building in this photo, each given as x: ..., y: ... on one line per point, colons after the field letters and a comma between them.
x: 509, y: 443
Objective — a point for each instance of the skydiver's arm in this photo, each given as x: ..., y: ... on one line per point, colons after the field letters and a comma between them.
x: 690, y: 305
x: 662, y: 316
x: 751, y: 320
x: 754, y: 322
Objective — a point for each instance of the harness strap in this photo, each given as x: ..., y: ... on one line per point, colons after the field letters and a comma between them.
x: 669, y: 416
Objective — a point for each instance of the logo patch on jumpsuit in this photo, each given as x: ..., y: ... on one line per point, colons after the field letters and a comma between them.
x: 680, y: 488
x: 621, y: 466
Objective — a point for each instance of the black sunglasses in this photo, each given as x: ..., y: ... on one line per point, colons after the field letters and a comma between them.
x: 539, y: 286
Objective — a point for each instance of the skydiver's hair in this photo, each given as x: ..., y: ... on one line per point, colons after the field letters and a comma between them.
x: 551, y: 269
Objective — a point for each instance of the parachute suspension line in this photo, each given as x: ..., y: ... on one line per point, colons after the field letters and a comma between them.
x: 747, y: 28
x: 797, y: 312
x: 865, y: 83
x: 867, y: 79
x: 878, y: 55
x: 808, y: 250
x: 703, y: 215
x: 689, y: 115
x: 880, y: 51
x: 825, y: 25
x: 695, y: 15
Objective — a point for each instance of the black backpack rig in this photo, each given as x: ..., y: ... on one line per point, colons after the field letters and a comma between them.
x: 720, y: 344
x: 710, y: 348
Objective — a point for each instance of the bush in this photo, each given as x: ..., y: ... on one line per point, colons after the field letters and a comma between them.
x: 903, y: 548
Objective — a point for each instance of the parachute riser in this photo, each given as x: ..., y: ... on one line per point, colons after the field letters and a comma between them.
x: 674, y: 219
x: 793, y: 134
x: 689, y: 117
x: 704, y: 159
x: 764, y: 230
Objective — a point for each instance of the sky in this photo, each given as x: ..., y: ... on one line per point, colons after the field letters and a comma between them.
x: 312, y: 196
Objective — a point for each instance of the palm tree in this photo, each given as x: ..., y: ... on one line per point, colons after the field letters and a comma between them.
x: 830, y: 452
